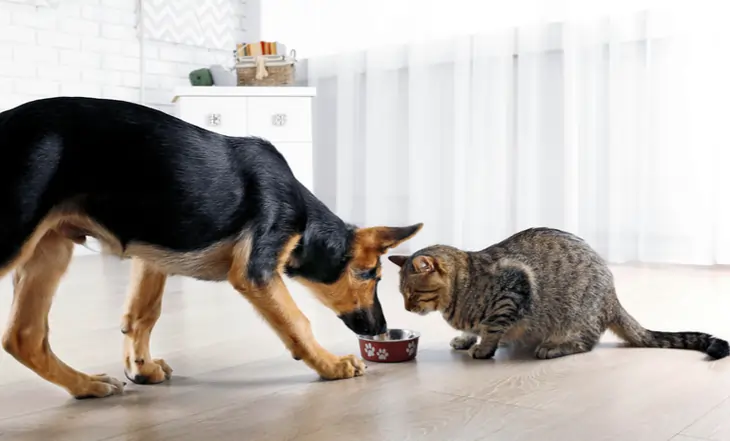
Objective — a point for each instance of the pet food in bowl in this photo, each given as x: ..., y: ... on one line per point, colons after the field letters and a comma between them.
x: 393, y: 346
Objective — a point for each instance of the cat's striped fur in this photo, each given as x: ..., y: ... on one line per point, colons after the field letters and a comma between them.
x: 542, y: 285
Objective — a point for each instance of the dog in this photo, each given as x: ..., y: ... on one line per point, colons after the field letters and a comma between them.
x: 176, y: 199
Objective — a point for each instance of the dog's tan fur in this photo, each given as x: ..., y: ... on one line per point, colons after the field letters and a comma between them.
x: 336, y: 296
x: 143, y: 308
x: 39, y: 269
x: 46, y: 255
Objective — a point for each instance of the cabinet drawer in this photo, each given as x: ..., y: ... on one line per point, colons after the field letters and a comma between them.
x: 225, y: 115
x: 280, y: 119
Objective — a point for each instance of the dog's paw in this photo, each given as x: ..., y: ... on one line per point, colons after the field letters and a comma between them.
x: 482, y: 352
x: 148, y: 371
x: 463, y: 342
x: 100, y: 386
x: 343, y: 367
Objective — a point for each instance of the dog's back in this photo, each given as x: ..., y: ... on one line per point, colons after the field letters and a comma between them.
x: 172, y: 184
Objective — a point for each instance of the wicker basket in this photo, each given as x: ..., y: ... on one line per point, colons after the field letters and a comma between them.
x: 267, y: 70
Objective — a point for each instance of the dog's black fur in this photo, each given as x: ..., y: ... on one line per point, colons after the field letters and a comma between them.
x: 151, y: 178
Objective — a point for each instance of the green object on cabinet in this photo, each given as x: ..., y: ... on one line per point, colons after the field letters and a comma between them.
x: 201, y: 77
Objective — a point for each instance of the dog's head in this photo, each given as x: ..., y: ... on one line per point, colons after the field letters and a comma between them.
x: 354, y: 295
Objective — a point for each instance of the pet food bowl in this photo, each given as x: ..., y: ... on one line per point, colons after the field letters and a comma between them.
x: 394, y: 346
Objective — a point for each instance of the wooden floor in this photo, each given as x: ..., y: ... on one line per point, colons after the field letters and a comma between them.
x: 233, y: 381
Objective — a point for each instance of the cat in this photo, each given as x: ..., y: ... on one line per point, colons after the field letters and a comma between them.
x: 540, y: 285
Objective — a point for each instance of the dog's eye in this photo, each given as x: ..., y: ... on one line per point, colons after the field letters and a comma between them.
x: 369, y: 274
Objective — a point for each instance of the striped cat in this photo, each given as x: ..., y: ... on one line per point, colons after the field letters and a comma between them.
x: 540, y: 285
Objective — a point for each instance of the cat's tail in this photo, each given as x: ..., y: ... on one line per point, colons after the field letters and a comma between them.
x: 628, y: 329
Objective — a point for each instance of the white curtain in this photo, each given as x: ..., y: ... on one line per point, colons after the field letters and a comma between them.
x: 613, y: 127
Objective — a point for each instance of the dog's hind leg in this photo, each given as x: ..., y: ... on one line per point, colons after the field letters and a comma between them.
x: 144, y: 305
x: 26, y: 337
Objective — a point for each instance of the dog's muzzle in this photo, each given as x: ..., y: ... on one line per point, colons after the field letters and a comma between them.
x: 370, y: 321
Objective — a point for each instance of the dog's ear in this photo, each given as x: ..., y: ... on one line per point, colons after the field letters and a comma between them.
x: 398, y: 260
x: 384, y: 238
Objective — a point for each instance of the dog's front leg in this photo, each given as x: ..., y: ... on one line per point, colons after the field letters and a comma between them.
x: 272, y: 300
x: 277, y: 307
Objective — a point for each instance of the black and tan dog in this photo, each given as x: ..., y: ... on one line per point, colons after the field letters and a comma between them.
x: 176, y: 199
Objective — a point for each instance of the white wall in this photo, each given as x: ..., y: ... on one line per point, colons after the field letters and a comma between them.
x: 92, y: 48
x: 84, y: 47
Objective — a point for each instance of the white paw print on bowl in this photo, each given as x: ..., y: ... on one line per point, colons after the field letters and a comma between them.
x: 411, y: 349
x: 382, y: 354
x: 369, y: 349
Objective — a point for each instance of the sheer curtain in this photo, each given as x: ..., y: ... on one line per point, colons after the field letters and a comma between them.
x: 610, y: 125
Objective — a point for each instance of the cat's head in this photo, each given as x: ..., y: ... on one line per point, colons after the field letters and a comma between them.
x: 426, y: 279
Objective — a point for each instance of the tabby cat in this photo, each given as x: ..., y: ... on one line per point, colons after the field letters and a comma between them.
x: 540, y: 285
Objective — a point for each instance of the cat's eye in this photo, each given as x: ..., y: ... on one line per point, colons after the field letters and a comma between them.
x: 428, y: 298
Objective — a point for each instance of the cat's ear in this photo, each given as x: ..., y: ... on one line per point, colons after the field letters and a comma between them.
x: 424, y: 264
x: 398, y: 260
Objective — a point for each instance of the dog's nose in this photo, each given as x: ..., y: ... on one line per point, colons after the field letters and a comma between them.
x: 362, y: 322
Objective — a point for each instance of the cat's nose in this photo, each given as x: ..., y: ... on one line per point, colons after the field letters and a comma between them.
x: 410, y: 307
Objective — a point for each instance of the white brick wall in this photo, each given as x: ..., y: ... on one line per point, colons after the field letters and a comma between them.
x: 91, y: 48
x: 63, y: 50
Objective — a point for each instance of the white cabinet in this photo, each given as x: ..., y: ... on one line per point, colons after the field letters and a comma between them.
x: 281, y: 115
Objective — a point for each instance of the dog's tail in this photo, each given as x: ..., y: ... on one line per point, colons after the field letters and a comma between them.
x: 628, y: 329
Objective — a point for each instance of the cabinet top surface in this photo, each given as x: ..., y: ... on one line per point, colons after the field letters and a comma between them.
x: 243, y: 91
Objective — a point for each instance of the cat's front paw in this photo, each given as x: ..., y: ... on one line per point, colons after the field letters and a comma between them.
x: 463, y: 342
x: 482, y: 352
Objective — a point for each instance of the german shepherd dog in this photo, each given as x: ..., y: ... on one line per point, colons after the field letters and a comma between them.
x: 177, y: 200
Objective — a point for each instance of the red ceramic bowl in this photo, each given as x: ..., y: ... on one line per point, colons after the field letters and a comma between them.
x: 395, y: 346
